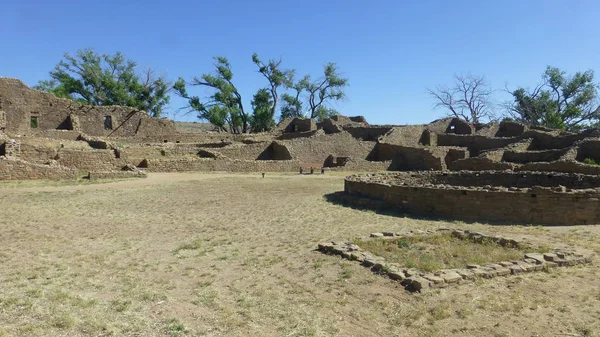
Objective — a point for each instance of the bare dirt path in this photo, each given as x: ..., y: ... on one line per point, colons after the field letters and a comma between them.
x: 158, y: 178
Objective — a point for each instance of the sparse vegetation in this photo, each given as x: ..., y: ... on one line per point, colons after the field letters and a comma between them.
x: 435, y: 252
x: 590, y: 161
x: 145, y: 258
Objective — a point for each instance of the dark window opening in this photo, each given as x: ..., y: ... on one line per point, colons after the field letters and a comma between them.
x: 108, y: 123
x: 34, y: 122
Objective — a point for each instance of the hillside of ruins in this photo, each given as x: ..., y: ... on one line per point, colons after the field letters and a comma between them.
x: 45, y: 137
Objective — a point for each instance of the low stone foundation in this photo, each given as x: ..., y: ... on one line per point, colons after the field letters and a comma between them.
x: 415, y: 280
x: 226, y: 165
x: 117, y: 175
x: 16, y: 169
x: 515, y: 197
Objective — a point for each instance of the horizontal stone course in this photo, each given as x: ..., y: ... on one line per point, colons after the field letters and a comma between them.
x: 415, y: 280
x: 527, y: 198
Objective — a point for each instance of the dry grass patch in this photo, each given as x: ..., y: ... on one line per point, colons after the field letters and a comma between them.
x: 233, y: 255
x: 439, y: 251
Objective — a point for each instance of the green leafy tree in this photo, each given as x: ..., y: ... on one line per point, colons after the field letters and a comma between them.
x: 560, y: 102
x: 292, y: 105
x: 277, y: 78
x: 262, y: 106
x: 95, y: 79
x: 224, y: 108
x: 318, y: 94
x: 321, y: 92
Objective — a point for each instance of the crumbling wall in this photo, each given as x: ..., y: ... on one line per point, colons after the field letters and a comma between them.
x: 244, y: 151
x: 459, y: 127
x: 301, y: 125
x: 17, y: 169
x: 368, y: 133
x: 510, y: 129
x: 407, y: 158
x: 475, y: 143
x: 154, y: 128
x: 526, y: 204
x: 478, y: 164
x: 589, y: 149
x: 226, y: 165
x: 116, y: 175
x: 523, y: 157
x: 94, y: 160
x: 275, y: 151
x: 22, y: 104
x: 316, y: 149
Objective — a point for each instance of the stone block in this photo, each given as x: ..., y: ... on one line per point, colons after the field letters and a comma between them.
x: 550, y: 256
x: 396, y: 275
x: 465, y: 274
x: 539, y: 258
x: 433, y: 278
x: 416, y: 283
x: 451, y: 277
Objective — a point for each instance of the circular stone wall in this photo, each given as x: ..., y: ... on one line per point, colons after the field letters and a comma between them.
x: 521, y: 197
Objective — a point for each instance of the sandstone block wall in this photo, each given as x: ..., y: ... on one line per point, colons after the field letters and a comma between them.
x: 532, y: 205
x: 225, y: 165
x: 16, y: 169
x: 116, y: 175
x: 95, y: 160
x: 21, y: 103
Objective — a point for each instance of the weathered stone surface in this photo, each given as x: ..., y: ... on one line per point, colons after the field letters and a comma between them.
x: 357, y: 256
x: 539, y: 258
x: 425, y: 189
x: 433, y: 278
x: 326, y: 246
x: 481, y: 273
x: 502, y: 271
x: 416, y: 283
x: 550, y: 256
x: 465, y: 274
x: 516, y: 270
x: 451, y: 277
x: 411, y: 272
x: 396, y: 275
x: 377, y: 235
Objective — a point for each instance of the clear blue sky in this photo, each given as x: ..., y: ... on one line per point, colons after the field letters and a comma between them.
x: 390, y: 50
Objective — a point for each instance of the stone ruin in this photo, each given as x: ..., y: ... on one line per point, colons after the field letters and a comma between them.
x: 548, y: 198
x: 45, y: 137
x: 416, y: 280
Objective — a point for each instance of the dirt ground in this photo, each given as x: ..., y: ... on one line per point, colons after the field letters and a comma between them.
x: 196, y: 254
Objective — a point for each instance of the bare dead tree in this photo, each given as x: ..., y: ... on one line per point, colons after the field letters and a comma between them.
x: 468, y: 99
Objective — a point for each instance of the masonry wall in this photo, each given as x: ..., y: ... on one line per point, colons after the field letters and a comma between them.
x: 94, y: 160
x: 539, y: 207
x: 533, y: 156
x: 316, y: 149
x: 20, y: 103
x: 369, y: 133
x: 406, y: 158
x: 226, y: 165
x: 16, y: 169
